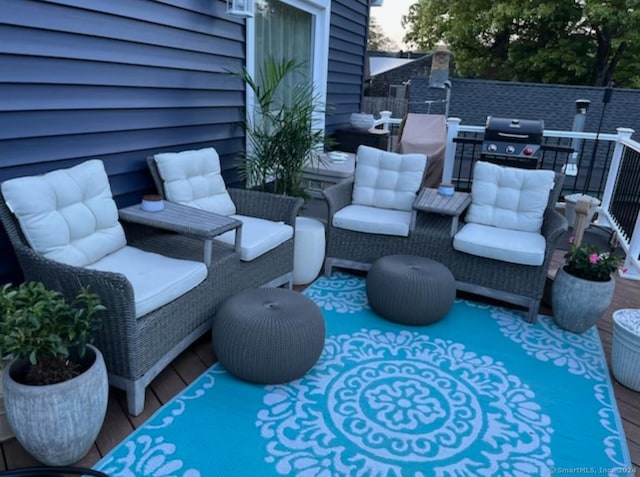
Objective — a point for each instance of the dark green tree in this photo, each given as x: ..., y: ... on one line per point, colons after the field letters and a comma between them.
x: 588, y: 42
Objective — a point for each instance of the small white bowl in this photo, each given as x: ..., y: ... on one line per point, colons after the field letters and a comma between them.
x: 152, y: 205
x: 446, y: 189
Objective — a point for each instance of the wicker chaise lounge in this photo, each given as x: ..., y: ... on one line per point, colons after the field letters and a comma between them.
x: 430, y: 237
x: 135, y: 348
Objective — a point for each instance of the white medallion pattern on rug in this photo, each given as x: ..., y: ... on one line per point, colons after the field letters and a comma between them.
x: 395, y: 404
x: 609, y: 420
x: 340, y: 293
x: 151, y: 456
x: 580, y: 354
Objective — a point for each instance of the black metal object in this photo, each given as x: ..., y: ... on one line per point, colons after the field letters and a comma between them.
x: 47, y: 471
x: 513, y: 142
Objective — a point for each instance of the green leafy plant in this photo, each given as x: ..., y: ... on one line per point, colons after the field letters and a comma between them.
x: 588, y: 262
x: 280, y: 134
x: 38, y: 324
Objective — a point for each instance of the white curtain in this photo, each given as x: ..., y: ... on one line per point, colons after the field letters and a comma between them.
x: 284, y: 32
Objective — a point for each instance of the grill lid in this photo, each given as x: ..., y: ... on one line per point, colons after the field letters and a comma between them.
x: 514, y: 130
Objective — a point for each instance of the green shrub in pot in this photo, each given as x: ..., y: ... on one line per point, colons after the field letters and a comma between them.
x: 56, y: 388
x: 281, y: 137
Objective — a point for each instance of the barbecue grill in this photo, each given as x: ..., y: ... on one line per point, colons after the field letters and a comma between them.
x: 513, y: 142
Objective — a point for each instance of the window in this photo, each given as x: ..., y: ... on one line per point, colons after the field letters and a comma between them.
x: 297, y: 29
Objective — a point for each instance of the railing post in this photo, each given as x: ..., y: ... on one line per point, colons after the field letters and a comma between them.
x: 623, y: 133
x: 385, y: 116
x: 450, y: 150
x: 631, y: 268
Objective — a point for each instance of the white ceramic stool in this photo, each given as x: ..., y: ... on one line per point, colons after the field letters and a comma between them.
x: 625, y: 348
x: 309, y: 246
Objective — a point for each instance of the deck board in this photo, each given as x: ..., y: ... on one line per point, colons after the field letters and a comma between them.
x: 193, y: 361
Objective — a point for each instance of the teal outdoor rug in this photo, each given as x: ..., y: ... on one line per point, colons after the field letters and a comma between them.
x: 479, y: 393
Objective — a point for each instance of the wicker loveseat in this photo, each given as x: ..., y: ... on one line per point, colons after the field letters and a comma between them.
x: 135, y: 348
x: 430, y: 237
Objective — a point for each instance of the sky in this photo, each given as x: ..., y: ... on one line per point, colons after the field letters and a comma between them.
x: 388, y: 17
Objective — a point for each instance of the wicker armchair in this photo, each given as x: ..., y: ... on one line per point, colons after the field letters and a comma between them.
x: 137, y: 349
x: 521, y: 285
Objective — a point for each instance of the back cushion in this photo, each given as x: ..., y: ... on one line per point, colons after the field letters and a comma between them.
x: 509, y: 198
x: 386, y: 179
x: 67, y: 215
x: 193, y: 178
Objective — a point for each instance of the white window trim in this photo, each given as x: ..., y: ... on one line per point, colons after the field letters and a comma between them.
x: 321, y: 11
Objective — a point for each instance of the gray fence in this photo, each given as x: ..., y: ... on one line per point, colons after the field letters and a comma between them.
x: 373, y: 105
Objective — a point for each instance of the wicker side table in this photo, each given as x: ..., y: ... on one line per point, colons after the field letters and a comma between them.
x: 429, y: 200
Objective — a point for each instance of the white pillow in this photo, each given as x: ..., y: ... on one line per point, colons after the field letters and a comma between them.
x: 508, y: 197
x: 387, y: 180
x: 67, y: 215
x: 193, y: 178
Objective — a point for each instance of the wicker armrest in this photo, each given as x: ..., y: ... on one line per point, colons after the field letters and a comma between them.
x: 68, y: 279
x: 338, y: 196
x: 554, y: 226
x: 266, y: 205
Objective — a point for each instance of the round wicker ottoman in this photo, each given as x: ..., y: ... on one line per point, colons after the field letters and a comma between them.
x: 410, y: 290
x: 268, y: 335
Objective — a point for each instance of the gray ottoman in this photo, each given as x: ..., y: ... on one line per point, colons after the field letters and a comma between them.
x: 410, y: 290
x: 268, y: 335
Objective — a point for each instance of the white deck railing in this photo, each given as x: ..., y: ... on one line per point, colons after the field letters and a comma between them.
x: 629, y: 239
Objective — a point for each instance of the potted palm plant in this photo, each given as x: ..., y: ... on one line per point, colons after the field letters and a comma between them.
x: 583, y: 288
x: 56, y: 388
x: 281, y: 139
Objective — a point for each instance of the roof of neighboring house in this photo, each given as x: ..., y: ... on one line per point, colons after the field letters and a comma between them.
x: 381, y: 64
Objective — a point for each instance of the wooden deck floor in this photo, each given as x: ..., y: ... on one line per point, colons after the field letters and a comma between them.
x: 190, y: 364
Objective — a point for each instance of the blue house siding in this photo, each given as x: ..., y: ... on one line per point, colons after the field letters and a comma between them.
x: 117, y: 80
x: 347, y: 49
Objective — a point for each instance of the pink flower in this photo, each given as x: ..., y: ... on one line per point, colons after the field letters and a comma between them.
x: 593, y: 258
x: 624, y: 270
x: 571, y: 239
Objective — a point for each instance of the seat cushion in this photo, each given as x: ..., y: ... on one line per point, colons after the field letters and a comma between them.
x: 515, y: 246
x: 386, y: 179
x: 509, y: 198
x: 67, y: 215
x: 373, y: 220
x: 258, y: 236
x: 193, y: 178
x: 156, y: 279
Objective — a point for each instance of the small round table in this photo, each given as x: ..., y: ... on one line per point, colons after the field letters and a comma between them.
x: 268, y: 335
x: 308, y: 250
x: 410, y: 290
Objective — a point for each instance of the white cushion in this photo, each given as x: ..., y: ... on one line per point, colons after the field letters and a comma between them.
x: 258, y: 236
x: 386, y: 179
x: 67, y: 215
x: 193, y: 178
x: 373, y: 220
x: 156, y: 279
x: 508, y: 197
x: 515, y: 246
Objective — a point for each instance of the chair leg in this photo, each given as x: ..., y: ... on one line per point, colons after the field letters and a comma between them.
x: 135, y: 397
x: 328, y: 267
x: 534, y: 307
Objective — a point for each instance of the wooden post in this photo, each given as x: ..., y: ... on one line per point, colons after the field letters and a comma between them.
x: 583, y: 205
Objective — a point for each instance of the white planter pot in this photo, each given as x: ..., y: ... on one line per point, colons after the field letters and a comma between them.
x: 308, y: 253
x: 362, y: 120
x: 625, y: 349
x: 577, y: 303
x: 58, y: 423
x: 5, y: 430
